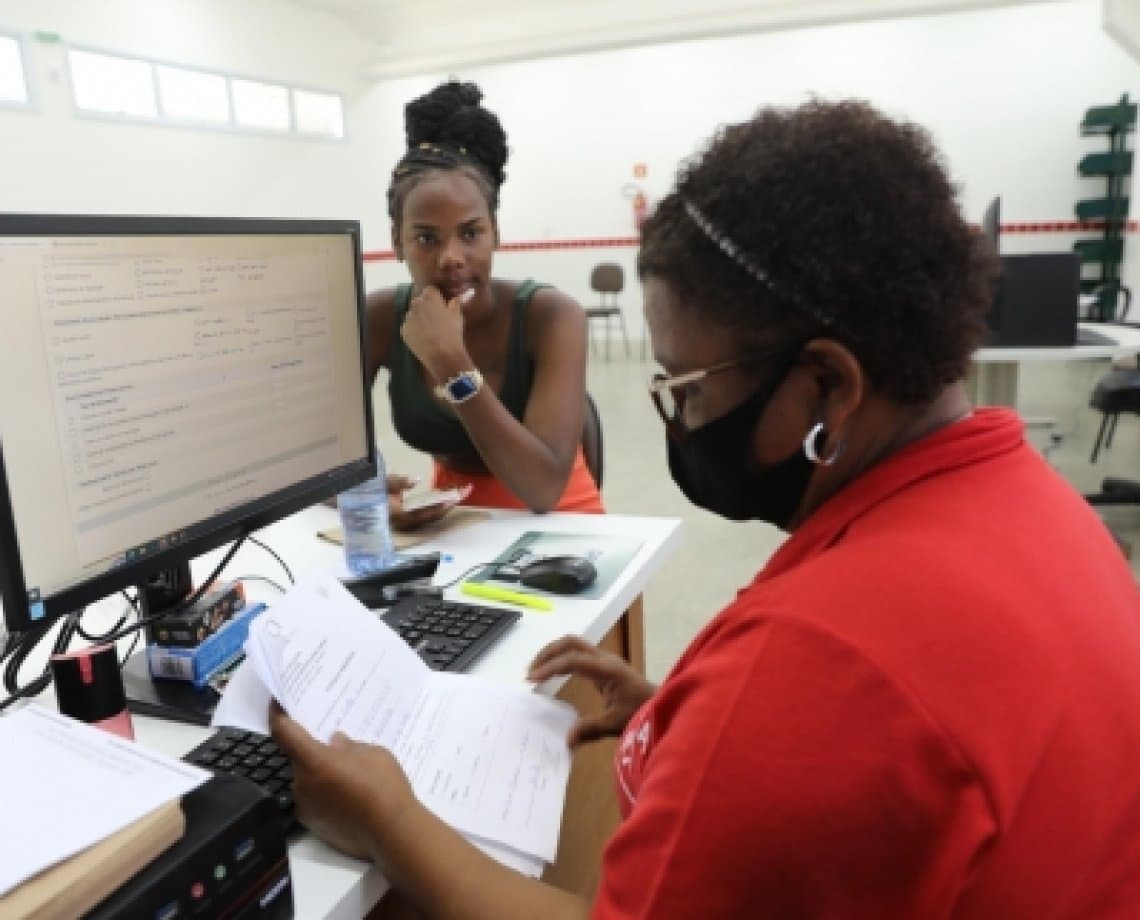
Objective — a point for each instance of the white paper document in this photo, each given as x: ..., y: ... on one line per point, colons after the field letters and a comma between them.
x: 488, y: 759
x: 68, y: 785
x: 245, y: 702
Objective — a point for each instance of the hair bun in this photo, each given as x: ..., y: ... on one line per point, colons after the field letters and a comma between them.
x: 451, y: 116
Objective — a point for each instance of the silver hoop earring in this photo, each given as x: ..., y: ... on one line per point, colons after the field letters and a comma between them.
x: 812, y: 453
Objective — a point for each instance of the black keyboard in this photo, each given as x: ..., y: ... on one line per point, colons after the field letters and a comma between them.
x: 449, y: 636
x: 254, y: 756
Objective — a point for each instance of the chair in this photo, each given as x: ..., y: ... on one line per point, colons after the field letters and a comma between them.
x: 592, y: 440
x: 1115, y: 393
x: 607, y: 280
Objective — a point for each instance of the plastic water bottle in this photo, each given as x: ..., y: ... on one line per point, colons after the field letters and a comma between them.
x: 364, y: 519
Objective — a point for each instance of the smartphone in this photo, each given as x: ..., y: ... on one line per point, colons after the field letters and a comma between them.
x: 413, y: 501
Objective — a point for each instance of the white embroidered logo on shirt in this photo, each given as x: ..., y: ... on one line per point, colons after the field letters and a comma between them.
x: 631, y: 758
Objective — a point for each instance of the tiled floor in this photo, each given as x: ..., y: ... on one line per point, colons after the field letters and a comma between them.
x: 717, y: 557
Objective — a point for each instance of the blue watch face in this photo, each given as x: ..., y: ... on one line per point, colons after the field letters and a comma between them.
x: 461, y: 387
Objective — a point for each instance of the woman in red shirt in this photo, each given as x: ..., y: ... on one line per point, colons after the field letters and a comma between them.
x: 927, y: 703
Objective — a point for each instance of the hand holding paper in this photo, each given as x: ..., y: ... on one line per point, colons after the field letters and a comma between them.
x: 489, y: 760
x: 347, y: 782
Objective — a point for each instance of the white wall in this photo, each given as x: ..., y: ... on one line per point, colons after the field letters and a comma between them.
x: 1122, y: 21
x: 1002, y: 90
x: 53, y: 160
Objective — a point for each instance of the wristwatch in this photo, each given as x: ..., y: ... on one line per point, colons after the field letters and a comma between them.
x: 461, y: 387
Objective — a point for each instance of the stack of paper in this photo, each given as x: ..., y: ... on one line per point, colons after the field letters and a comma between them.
x: 488, y: 759
x: 69, y: 785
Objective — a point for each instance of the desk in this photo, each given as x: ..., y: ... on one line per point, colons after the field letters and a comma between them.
x: 992, y: 380
x: 327, y: 884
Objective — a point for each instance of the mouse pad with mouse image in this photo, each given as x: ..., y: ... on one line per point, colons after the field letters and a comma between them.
x: 609, y: 553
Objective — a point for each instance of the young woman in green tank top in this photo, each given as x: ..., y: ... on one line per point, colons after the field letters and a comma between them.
x: 487, y: 375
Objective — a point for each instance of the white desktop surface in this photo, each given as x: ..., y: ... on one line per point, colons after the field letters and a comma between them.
x: 326, y: 883
x: 993, y: 377
x: 1126, y: 342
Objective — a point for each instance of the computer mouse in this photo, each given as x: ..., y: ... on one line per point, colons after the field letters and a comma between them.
x: 559, y: 574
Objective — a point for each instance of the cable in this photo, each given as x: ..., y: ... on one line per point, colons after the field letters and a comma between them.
x: 102, y: 638
x: 256, y: 542
x: 29, y: 641
x: 134, y: 607
x: 268, y: 581
x: 18, y: 653
x: 10, y: 641
x: 185, y: 604
x: 455, y: 581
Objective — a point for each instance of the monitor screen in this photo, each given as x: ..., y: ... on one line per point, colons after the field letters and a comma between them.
x: 167, y: 385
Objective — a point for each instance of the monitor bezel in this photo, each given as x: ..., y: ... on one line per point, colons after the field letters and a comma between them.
x: 231, y: 524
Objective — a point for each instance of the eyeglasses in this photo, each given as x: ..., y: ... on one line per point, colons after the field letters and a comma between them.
x: 668, y: 392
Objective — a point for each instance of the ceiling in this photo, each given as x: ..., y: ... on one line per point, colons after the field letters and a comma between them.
x: 432, y: 36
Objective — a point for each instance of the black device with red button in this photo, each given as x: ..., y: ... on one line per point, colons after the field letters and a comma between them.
x: 231, y: 862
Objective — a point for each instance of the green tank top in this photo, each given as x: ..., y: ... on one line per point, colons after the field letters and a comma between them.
x: 419, y: 418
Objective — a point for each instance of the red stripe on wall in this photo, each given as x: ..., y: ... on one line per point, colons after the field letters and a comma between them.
x: 599, y: 242
x: 612, y: 242
x: 1064, y: 226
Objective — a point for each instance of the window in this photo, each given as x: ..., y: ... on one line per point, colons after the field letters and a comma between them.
x: 13, y: 84
x: 318, y: 113
x: 261, y: 105
x: 112, y: 85
x: 191, y: 95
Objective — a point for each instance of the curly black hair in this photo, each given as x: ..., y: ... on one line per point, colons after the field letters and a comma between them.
x: 447, y: 129
x: 829, y: 220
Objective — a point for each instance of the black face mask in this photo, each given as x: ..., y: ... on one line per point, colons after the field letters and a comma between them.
x: 713, y: 466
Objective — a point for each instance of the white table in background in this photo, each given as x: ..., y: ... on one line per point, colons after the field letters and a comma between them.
x: 993, y: 375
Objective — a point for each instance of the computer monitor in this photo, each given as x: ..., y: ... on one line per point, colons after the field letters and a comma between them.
x: 168, y: 385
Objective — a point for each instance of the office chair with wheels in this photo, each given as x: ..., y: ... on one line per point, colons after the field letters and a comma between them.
x: 592, y: 440
x: 607, y: 280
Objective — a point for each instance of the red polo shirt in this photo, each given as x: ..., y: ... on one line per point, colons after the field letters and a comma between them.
x: 926, y: 705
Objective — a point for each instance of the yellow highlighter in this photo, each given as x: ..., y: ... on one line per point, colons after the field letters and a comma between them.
x: 490, y: 592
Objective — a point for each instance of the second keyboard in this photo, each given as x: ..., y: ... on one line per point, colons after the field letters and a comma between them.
x: 449, y: 635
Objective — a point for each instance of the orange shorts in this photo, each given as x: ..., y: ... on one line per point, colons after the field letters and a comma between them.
x: 581, y: 494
